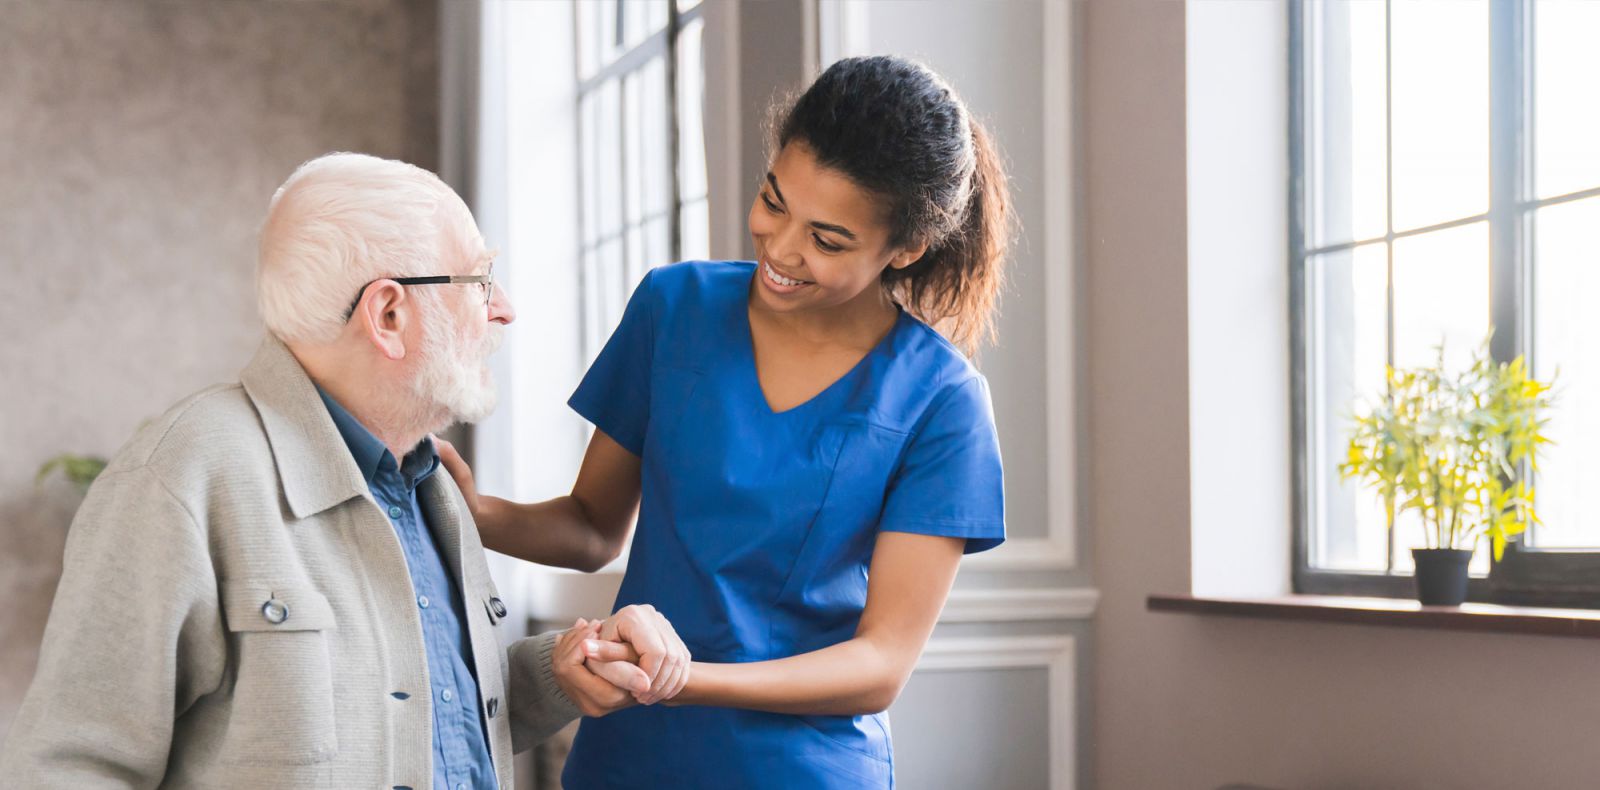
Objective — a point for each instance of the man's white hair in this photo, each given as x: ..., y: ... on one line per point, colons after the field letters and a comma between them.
x: 341, y: 221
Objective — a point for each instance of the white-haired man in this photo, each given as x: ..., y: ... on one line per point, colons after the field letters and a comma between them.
x: 269, y: 586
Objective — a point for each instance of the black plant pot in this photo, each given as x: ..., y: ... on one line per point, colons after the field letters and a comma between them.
x: 1441, y: 576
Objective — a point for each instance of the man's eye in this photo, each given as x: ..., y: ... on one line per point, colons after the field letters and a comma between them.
x: 771, y: 206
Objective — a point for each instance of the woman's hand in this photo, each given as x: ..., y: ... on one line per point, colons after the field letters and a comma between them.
x: 458, y: 469
x: 661, y: 653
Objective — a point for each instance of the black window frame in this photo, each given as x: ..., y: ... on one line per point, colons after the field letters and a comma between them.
x: 664, y: 45
x: 1526, y: 576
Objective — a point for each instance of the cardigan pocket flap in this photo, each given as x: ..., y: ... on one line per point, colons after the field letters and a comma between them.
x: 250, y: 606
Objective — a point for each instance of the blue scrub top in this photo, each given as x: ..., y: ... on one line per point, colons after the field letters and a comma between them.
x: 756, y: 528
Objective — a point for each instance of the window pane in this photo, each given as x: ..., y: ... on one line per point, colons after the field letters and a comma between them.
x: 1566, y: 334
x: 691, y: 111
x: 655, y: 167
x: 594, y: 328
x: 1440, y: 55
x: 589, y: 168
x: 607, y: 140
x: 633, y: 162
x: 641, y: 19
x: 1441, y: 295
x: 1346, y: 122
x: 611, y: 286
x: 598, y: 36
x: 657, y: 238
x: 696, y: 231
x: 1347, y: 295
x: 1566, y: 106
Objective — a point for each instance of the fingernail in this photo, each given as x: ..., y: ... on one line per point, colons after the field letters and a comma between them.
x: 591, y: 646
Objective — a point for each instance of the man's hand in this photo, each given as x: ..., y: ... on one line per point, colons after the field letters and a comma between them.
x: 595, y: 693
x: 661, y: 654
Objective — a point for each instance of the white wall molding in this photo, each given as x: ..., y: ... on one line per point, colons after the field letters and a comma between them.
x: 1058, y: 549
x: 1019, y: 605
x: 1056, y: 654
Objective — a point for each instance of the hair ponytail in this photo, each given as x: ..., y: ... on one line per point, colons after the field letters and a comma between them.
x: 957, y: 283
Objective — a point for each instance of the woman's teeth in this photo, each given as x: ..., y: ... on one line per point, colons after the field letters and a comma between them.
x: 780, y: 279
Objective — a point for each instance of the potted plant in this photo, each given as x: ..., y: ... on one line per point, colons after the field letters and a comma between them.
x: 1455, y: 449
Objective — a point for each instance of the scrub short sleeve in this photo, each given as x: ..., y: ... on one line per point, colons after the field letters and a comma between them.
x: 950, y: 482
x: 615, y: 393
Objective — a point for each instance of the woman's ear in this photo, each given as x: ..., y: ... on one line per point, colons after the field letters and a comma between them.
x: 383, y: 313
x: 908, y: 255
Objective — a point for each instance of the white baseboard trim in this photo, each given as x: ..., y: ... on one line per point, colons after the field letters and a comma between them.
x: 1020, y: 605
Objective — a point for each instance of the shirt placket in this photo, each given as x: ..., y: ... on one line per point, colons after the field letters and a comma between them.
x: 446, y: 700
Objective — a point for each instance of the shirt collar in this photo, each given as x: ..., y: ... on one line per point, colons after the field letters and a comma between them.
x: 372, y: 456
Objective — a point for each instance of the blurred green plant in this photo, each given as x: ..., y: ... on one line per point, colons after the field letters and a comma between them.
x: 1455, y: 449
x: 80, y: 469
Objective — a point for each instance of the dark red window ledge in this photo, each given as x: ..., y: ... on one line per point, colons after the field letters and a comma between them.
x: 1393, y: 612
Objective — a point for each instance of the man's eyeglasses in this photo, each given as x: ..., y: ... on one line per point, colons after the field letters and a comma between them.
x: 486, y: 280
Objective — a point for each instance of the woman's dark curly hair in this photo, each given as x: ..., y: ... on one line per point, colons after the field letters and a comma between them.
x: 896, y: 129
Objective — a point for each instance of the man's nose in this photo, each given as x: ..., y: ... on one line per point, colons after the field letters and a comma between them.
x: 501, y: 311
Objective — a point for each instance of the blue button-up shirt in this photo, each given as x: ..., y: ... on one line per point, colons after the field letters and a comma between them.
x: 460, y: 748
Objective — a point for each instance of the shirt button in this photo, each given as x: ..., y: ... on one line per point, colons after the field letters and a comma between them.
x: 447, y: 695
x: 461, y: 787
x: 422, y: 601
x: 394, y: 512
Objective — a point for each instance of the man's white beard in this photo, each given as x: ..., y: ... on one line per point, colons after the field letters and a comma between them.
x: 455, y: 377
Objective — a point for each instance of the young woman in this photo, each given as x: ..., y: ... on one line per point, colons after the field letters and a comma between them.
x: 809, y: 459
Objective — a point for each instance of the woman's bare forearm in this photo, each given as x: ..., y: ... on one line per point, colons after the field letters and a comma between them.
x: 557, y: 532
x: 852, y: 678
x: 909, y: 580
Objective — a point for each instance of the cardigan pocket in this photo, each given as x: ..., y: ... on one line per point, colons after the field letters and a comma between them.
x: 282, y: 709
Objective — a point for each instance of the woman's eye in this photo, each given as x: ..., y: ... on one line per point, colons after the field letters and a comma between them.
x: 771, y: 206
x: 824, y: 245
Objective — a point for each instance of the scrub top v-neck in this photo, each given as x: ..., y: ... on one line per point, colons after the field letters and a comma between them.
x: 756, y: 527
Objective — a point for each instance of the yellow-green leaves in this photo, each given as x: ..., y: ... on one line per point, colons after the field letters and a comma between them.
x: 1455, y: 449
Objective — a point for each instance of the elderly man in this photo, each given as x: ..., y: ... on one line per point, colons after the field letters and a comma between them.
x: 270, y: 586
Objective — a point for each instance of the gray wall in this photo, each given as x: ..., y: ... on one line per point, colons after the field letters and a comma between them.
x: 1187, y: 702
x: 140, y: 142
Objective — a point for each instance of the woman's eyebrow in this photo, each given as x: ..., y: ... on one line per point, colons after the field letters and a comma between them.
x: 827, y: 226
x: 831, y: 228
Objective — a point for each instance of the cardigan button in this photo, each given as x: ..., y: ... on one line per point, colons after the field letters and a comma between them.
x: 275, y: 611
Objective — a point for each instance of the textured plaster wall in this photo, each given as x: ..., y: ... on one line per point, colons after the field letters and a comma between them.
x: 139, y: 144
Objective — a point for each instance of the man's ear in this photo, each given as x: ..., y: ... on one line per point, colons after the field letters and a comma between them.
x: 383, y: 314
x: 908, y: 255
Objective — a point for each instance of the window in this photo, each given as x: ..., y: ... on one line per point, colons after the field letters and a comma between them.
x: 641, y: 148
x: 1446, y: 164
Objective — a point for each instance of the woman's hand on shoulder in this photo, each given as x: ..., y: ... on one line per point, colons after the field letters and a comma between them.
x: 461, y: 473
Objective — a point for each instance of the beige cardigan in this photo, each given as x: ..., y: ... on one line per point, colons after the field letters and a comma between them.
x: 235, y: 611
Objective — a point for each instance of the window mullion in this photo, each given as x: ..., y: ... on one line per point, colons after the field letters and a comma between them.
x: 1510, y: 311
x: 1388, y: 222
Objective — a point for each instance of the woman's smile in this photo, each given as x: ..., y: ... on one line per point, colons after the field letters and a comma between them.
x: 779, y: 283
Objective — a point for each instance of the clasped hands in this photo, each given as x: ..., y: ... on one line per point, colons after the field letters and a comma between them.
x: 632, y: 657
